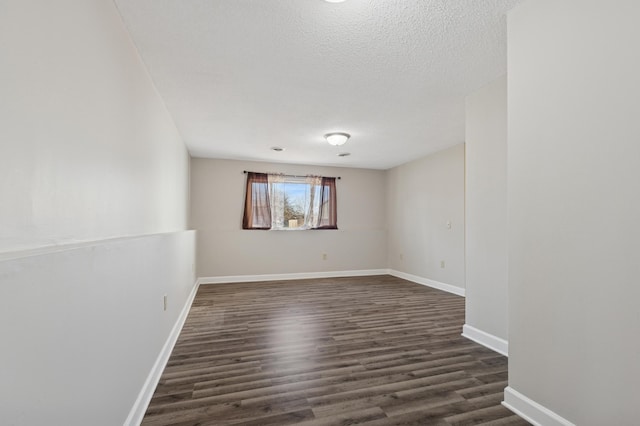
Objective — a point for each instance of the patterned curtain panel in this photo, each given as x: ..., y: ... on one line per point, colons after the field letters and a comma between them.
x: 279, y: 200
x: 312, y: 201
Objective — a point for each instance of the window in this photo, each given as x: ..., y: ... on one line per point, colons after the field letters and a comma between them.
x: 276, y: 201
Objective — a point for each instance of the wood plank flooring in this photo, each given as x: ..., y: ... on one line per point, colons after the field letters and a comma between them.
x: 340, y: 351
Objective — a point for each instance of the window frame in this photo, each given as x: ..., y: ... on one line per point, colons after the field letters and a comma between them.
x: 259, y: 210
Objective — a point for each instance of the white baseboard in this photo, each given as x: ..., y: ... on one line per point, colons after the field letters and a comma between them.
x: 332, y: 274
x: 531, y: 411
x: 485, y: 339
x: 294, y: 276
x: 426, y: 281
x: 144, y: 397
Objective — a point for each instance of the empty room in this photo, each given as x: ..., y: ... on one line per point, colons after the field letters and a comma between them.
x: 319, y: 212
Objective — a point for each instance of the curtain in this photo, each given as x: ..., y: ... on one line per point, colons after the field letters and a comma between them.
x: 328, y: 211
x: 295, y: 201
x: 312, y: 202
x: 278, y: 201
x: 257, y: 206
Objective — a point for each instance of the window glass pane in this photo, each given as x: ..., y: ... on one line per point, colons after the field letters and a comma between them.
x: 294, y: 211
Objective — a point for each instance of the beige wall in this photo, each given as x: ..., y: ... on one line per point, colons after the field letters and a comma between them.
x: 225, y: 249
x: 422, y: 196
x: 486, y: 209
x: 88, y: 152
x: 574, y: 208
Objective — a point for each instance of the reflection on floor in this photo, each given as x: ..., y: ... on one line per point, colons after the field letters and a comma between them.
x: 339, y: 351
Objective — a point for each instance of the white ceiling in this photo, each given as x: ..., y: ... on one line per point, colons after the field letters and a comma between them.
x: 242, y: 76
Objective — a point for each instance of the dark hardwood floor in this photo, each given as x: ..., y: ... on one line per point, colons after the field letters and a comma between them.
x: 340, y: 351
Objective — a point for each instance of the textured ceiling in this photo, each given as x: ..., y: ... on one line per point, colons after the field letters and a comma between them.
x: 242, y: 76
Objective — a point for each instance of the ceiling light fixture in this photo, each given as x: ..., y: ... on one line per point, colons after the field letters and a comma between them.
x: 334, y: 1
x: 337, y: 138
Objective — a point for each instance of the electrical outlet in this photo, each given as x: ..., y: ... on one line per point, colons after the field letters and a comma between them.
x: 165, y: 302
x: 442, y: 263
x: 324, y: 256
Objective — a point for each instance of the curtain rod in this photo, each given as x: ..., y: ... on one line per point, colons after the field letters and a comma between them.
x: 295, y: 176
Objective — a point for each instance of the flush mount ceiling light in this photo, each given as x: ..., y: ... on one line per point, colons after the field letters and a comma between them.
x: 337, y: 138
x: 334, y: 1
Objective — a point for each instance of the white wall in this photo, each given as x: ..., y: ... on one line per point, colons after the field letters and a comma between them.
x: 87, y: 148
x: 422, y: 196
x: 88, y: 153
x: 82, y: 327
x: 225, y: 249
x: 574, y: 205
x: 486, y: 214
